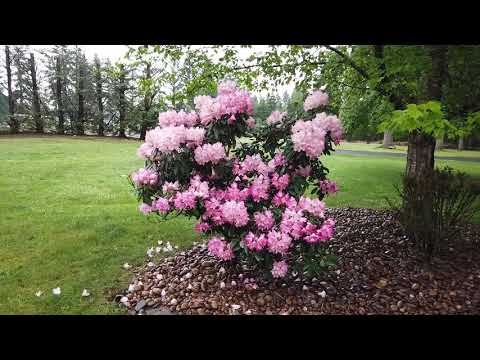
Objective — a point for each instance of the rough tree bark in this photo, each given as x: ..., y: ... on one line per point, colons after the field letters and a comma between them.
x: 79, y: 129
x: 59, y: 96
x: 421, y: 147
x: 12, y: 121
x: 98, y: 83
x: 147, y: 104
x: 387, y: 139
x: 122, y: 103
x: 37, y: 116
x: 461, y: 143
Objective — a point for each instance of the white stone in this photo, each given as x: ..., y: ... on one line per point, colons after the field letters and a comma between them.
x: 322, y: 294
x: 56, y: 291
x: 235, y: 306
x: 173, y: 301
x: 38, y: 293
x: 85, y: 293
x: 159, y: 276
x: 222, y: 285
x: 163, y: 293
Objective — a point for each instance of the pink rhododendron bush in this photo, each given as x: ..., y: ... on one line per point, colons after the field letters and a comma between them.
x: 245, y: 184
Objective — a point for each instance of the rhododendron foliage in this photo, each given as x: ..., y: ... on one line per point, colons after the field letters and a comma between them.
x: 249, y: 197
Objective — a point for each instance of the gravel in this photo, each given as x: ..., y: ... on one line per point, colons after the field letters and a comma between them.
x: 378, y: 272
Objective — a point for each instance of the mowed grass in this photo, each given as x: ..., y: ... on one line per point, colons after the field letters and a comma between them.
x: 377, y: 147
x: 69, y: 218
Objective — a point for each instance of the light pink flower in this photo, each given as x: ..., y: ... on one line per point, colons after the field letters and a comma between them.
x: 218, y: 247
x: 279, y: 269
x: 144, y: 177
x: 145, y: 209
x: 278, y: 242
x: 315, y: 100
x: 275, y: 117
x: 235, y: 213
x: 209, y: 153
x: 161, y: 204
x: 264, y: 220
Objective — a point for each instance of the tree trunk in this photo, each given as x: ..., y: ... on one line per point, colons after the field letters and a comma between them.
x: 420, y: 155
x: 12, y: 121
x: 81, y: 101
x: 421, y: 147
x: 98, y: 80
x: 58, y: 95
x: 439, y: 145
x: 37, y: 116
x: 461, y: 145
x: 122, y: 103
x: 387, y: 139
x: 147, y: 103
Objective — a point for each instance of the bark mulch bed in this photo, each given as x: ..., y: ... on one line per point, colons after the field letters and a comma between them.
x: 378, y: 272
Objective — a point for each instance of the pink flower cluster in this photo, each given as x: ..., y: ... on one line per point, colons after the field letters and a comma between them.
x: 220, y: 248
x: 209, y: 153
x: 275, y: 117
x: 316, y: 99
x: 173, y: 118
x: 279, y: 269
x: 230, y: 102
x: 309, y: 136
x: 328, y: 187
x: 170, y: 138
x: 144, y: 177
x: 330, y: 123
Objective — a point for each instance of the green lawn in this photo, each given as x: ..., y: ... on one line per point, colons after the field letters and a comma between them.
x: 69, y: 219
x: 377, y: 147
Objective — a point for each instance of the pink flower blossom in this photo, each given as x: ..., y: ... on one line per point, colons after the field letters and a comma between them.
x: 278, y: 242
x: 264, y: 220
x: 250, y: 122
x: 185, y: 200
x: 293, y: 223
x: 198, y: 187
x: 275, y: 117
x: 145, y: 150
x: 254, y: 242
x: 161, y: 204
x: 144, y: 177
x: 259, y: 188
x: 280, y: 182
x: 329, y: 123
x: 315, y: 100
x: 173, y: 118
x: 166, y: 139
x: 145, y: 209
x: 220, y: 248
x: 209, y: 153
x: 235, y: 213
x: 279, y: 269
x: 308, y: 136
x: 169, y: 187
x: 313, y: 206
x: 328, y: 187
x: 202, y: 227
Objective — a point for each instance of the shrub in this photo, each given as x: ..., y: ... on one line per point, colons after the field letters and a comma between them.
x: 245, y: 184
x: 435, y: 207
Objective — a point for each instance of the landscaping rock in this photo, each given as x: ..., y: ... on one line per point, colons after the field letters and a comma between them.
x: 378, y: 272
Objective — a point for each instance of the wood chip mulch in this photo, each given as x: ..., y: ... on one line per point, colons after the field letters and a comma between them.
x: 378, y: 272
